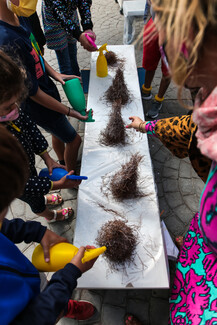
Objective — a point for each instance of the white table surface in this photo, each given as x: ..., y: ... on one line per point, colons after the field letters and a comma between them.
x: 149, y: 269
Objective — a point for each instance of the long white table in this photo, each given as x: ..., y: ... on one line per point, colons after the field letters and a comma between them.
x: 149, y: 269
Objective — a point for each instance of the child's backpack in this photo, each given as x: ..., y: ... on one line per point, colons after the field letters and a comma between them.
x: 19, y: 281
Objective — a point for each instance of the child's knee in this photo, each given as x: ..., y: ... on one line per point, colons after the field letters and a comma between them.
x: 76, y: 142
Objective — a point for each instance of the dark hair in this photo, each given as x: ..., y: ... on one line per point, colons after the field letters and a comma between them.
x: 12, y: 79
x: 13, y: 168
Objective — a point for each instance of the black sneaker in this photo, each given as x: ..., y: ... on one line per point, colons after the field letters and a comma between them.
x: 146, y: 96
x: 155, y: 109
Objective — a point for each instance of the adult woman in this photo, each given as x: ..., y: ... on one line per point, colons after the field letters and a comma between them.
x: 188, y: 36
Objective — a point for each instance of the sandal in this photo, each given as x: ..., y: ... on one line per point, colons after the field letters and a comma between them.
x: 56, y: 199
x: 66, y: 213
x: 131, y: 320
x: 179, y: 241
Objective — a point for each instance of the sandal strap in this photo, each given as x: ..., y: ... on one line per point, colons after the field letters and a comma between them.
x: 55, y: 197
x: 55, y: 215
x: 65, y: 212
x: 45, y: 199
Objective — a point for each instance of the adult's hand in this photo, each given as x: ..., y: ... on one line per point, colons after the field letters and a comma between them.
x: 49, y: 239
x: 83, y: 267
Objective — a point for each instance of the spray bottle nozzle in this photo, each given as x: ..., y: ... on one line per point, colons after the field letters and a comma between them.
x: 102, y: 48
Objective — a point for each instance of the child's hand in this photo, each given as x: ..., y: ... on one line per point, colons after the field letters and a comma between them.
x: 136, y: 123
x: 91, y: 34
x: 69, y: 183
x: 49, y: 239
x: 85, y: 43
x: 85, y: 117
x: 83, y: 267
x: 51, y: 164
x: 63, y: 77
x: 77, y: 115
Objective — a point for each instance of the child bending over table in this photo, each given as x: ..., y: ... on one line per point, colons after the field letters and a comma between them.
x: 12, y: 93
x: 21, y: 301
x: 43, y: 104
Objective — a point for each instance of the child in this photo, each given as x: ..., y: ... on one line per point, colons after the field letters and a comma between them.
x: 177, y: 133
x: 38, y: 32
x: 12, y: 91
x: 21, y: 301
x: 151, y: 58
x: 194, y: 291
x: 43, y: 104
x: 63, y: 12
x: 64, y: 44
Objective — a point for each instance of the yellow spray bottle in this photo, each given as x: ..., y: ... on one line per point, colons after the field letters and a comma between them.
x: 101, y: 62
x: 60, y: 255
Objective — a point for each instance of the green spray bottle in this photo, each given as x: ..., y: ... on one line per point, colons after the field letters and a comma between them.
x: 101, y: 62
x: 75, y: 95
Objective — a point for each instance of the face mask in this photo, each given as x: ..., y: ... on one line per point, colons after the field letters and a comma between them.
x: 25, y: 8
x: 13, y: 115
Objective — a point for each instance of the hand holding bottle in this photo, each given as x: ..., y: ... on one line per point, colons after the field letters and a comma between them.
x: 77, y: 259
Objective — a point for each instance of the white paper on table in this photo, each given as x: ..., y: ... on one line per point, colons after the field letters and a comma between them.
x: 149, y: 269
x: 171, y: 249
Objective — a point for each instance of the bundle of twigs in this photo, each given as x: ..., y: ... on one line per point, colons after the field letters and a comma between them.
x: 120, y: 241
x: 112, y: 59
x: 123, y: 184
x: 118, y: 90
x: 115, y: 131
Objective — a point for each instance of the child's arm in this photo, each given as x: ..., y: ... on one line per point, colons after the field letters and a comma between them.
x: 142, y: 126
x: 18, y: 230
x: 85, y: 13
x: 58, y: 76
x: 53, y: 301
x: 51, y: 103
x: 65, y: 16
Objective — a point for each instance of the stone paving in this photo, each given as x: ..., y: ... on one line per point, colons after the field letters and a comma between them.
x: 178, y: 188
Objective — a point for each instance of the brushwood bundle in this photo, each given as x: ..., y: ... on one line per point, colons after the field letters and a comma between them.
x: 120, y: 241
x: 112, y: 59
x: 115, y: 132
x: 118, y: 91
x: 123, y: 184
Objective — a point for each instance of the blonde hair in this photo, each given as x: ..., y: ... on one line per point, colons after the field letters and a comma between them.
x: 180, y: 20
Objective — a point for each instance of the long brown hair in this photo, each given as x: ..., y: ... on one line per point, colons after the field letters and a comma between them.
x: 13, y: 168
x: 12, y: 79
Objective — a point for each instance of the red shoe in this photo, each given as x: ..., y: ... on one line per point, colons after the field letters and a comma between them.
x: 80, y: 310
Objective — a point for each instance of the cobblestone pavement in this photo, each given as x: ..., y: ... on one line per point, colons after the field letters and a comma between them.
x: 178, y: 188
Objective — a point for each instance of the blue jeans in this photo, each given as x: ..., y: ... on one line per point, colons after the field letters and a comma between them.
x: 67, y: 59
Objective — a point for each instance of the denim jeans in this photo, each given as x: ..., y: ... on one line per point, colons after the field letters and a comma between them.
x: 67, y: 59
